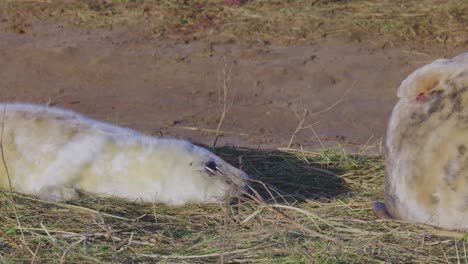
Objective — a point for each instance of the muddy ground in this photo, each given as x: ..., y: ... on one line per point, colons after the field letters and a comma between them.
x: 172, y: 87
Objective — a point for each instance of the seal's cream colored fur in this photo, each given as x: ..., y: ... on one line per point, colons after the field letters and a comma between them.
x: 426, y: 177
x: 52, y: 153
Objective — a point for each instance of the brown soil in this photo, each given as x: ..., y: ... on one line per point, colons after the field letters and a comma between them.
x: 171, y: 87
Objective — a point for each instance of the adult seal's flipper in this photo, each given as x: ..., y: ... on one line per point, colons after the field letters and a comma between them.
x: 380, y: 211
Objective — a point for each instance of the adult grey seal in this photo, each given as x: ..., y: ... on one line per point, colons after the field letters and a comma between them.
x: 426, y: 174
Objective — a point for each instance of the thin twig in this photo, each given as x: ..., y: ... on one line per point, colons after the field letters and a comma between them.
x: 223, y: 99
x: 224, y: 132
x: 58, y: 232
x: 335, y: 103
x: 464, y: 251
x: 259, y: 200
x: 35, y: 252
x: 306, y: 114
x: 252, y: 215
x: 299, y: 127
x: 225, y: 227
x: 74, y: 207
x: 456, y: 251
x: 445, y: 255
x: 54, y: 241
x: 156, y: 256
x: 317, y: 137
x: 64, y: 255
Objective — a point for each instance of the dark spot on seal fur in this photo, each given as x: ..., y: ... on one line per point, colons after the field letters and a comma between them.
x: 434, y: 199
x: 457, y: 92
x: 437, y: 102
x: 70, y: 117
x: 466, y: 201
x: 461, y: 150
x: 449, y: 82
x: 437, y: 92
x: 456, y: 98
x: 418, y: 117
x: 62, y: 118
x: 414, y: 115
x: 461, y: 75
x: 450, y: 175
x: 457, y: 105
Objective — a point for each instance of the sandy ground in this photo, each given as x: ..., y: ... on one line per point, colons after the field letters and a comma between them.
x: 172, y: 89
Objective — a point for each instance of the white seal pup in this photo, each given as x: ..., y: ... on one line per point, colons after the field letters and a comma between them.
x: 426, y: 174
x: 53, y: 153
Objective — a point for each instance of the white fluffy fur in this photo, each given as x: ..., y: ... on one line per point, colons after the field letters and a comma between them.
x: 427, y: 146
x: 52, y: 153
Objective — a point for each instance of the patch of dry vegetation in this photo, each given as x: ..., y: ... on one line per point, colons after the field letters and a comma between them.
x: 323, y: 215
x: 319, y: 210
x: 260, y: 21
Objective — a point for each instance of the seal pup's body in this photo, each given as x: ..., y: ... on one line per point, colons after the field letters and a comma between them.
x: 53, y: 153
x: 426, y: 175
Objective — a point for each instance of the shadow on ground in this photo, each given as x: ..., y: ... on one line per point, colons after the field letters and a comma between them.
x: 296, y: 176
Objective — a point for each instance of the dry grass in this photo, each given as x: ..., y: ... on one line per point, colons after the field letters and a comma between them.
x: 259, y: 21
x: 323, y: 216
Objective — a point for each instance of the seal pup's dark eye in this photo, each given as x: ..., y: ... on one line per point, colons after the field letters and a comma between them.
x: 211, y: 168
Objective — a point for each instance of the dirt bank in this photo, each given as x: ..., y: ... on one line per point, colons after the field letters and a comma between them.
x: 172, y: 87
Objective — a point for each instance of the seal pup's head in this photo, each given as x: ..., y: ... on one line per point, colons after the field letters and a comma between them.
x: 195, y: 175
